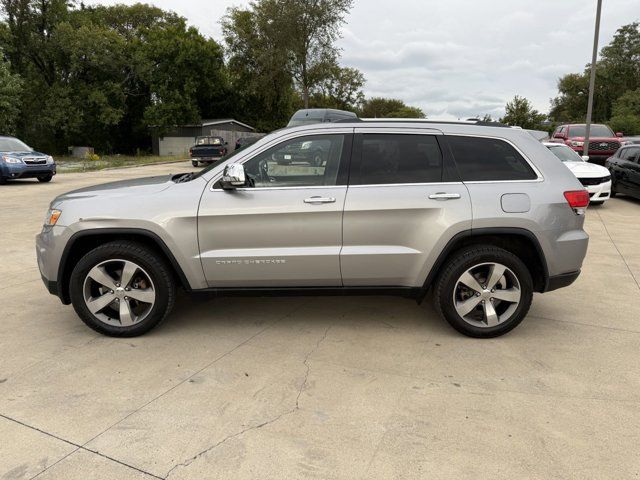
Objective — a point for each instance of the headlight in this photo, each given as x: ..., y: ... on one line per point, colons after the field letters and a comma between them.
x: 11, y: 159
x: 52, y: 217
x: 576, y: 144
x: 50, y: 160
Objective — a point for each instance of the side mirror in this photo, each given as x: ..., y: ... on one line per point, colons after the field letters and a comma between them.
x: 585, y: 158
x: 619, y: 134
x: 233, y: 177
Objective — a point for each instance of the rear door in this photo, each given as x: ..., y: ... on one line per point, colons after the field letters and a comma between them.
x: 402, y: 206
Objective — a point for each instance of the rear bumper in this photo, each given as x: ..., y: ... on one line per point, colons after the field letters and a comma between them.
x: 206, y: 159
x: 561, y: 281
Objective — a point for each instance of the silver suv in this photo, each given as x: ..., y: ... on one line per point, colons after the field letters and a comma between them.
x: 482, y: 216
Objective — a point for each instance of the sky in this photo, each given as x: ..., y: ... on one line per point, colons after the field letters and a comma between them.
x: 455, y: 58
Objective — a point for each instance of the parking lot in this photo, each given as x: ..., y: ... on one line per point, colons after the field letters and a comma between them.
x: 328, y: 387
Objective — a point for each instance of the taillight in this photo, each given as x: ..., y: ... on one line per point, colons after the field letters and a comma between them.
x: 578, y: 200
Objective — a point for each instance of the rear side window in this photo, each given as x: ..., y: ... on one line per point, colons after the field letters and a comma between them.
x: 488, y: 159
x: 393, y: 159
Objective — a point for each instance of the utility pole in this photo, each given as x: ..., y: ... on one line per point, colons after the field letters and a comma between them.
x: 592, y: 79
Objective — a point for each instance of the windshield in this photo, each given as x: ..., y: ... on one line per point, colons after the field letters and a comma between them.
x: 8, y: 144
x: 209, y: 141
x: 596, y: 131
x: 565, y: 154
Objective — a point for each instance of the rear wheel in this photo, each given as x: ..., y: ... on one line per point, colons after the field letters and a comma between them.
x: 45, y: 178
x: 484, y: 291
x: 122, y: 289
x: 194, y: 163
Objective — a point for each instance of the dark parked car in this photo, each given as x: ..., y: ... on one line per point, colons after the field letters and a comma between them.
x: 602, y: 141
x: 625, y: 171
x: 245, y: 141
x: 207, y: 150
x: 17, y: 160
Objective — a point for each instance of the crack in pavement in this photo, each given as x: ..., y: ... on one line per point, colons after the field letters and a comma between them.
x: 303, y: 384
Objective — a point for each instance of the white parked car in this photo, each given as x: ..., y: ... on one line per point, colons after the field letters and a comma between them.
x: 595, y: 178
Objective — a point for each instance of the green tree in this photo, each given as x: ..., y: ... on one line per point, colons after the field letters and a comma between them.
x: 10, y: 91
x: 379, y: 107
x: 259, y: 73
x: 519, y: 112
x: 617, y: 72
x: 626, y: 113
x: 307, y: 31
x: 342, y: 89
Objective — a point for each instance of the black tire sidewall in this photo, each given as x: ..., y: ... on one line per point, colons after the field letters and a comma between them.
x: 462, y: 261
x: 157, y: 269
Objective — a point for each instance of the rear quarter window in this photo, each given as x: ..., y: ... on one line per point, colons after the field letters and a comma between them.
x: 488, y: 159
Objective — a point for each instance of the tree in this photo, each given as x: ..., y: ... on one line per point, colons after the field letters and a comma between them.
x: 617, y: 72
x: 519, y: 112
x: 10, y: 90
x: 379, y: 107
x: 342, y: 89
x: 307, y: 31
x: 626, y: 113
x: 259, y: 72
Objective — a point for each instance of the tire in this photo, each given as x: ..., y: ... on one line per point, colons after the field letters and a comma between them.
x: 478, y: 261
x: 194, y: 163
x: 150, y: 278
x: 3, y: 181
x: 597, y: 203
x: 45, y: 178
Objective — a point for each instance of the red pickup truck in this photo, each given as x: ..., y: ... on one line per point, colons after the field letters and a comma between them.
x: 602, y: 141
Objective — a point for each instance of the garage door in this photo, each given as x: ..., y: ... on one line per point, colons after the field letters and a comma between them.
x: 176, y: 145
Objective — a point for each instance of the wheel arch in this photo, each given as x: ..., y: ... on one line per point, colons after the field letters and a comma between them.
x: 84, y: 241
x: 519, y: 241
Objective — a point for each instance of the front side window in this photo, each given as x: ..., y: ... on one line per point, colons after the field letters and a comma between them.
x: 396, y: 159
x: 312, y: 160
x: 629, y: 153
x: 488, y: 159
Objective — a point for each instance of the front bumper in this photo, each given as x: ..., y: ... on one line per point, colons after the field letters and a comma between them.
x: 599, y: 193
x: 49, y: 252
x: 23, y: 170
x: 206, y: 159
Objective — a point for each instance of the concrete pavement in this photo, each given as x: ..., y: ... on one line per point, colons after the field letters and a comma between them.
x: 327, y: 388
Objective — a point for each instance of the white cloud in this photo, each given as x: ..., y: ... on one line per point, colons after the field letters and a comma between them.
x: 456, y: 58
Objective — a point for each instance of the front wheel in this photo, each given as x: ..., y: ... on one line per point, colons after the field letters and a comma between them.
x: 45, y: 178
x: 122, y: 289
x: 484, y: 291
x: 194, y: 163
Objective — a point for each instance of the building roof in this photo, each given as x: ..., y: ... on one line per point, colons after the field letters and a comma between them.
x: 206, y: 123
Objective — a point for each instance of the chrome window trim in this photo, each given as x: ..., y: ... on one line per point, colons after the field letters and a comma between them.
x: 426, y: 184
x: 263, y: 189
x: 540, y: 177
x: 276, y: 141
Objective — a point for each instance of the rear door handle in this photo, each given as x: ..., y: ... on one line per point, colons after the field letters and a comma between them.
x: 444, y: 196
x: 320, y: 200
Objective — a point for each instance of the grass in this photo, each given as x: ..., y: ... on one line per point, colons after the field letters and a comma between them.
x: 73, y: 165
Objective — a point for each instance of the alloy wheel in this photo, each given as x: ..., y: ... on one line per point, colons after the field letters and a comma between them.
x: 119, y: 292
x: 487, y: 295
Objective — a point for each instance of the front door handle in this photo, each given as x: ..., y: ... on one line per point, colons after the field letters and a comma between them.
x: 320, y: 200
x: 444, y: 196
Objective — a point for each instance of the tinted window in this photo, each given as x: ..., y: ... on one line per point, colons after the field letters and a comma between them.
x: 565, y: 154
x: 388, y: 158
x: 313, y: 160
x: 487, y: 159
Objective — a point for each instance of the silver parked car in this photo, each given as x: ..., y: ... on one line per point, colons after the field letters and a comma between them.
x: 482, y: 216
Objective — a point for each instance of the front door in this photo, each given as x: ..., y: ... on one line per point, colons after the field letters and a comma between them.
x: 286, y: 229
x: 403, y: 203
